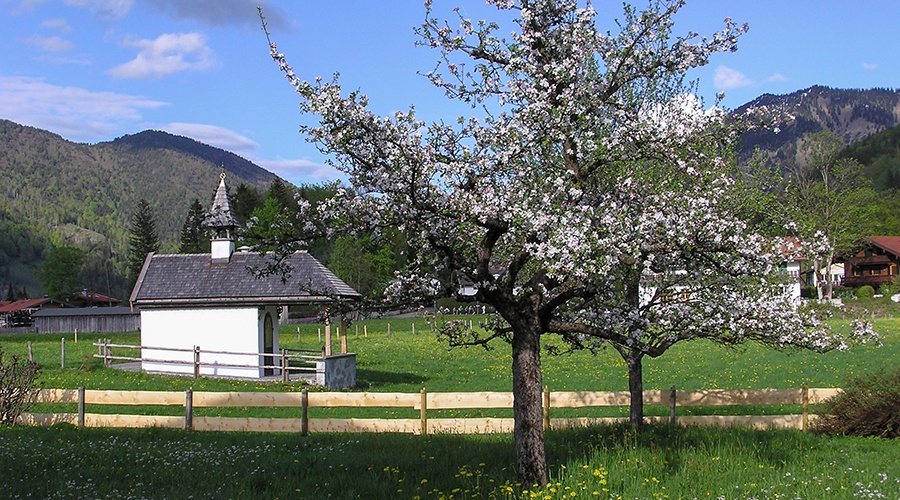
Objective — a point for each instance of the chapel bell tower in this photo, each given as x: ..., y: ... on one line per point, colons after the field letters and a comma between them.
x: 222, y: 224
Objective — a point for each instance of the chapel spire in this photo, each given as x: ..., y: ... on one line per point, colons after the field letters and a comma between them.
x: 222, y: 223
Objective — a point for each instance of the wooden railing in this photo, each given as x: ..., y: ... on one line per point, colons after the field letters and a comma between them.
x: 288, y: 360
x: 423, y: 402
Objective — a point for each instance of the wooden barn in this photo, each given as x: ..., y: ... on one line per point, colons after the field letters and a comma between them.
x: 87, y: 320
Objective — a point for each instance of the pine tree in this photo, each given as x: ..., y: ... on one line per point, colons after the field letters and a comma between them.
x: 142, y: 239
x: 10, y: 294
x: 244, y: 201
x: 278, y: 190
x: 194, y: 236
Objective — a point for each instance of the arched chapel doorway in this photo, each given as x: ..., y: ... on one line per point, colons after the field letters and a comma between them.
x: 268, y: 345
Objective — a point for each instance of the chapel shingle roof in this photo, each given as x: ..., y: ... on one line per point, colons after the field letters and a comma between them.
x: 220, y: 214
x: 194, y: 279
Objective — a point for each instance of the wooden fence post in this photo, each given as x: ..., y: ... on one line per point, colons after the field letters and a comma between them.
x: 804, y: 397
x: 413, y: 328
x: 107, y: 353
x: 327, y: 337
x: 189, y: 409
x: 546, y: 407
x: 62, y: 355
x: 672, y: 405
x: 423, y: 412
x: 304, y: 412
x: 30, y: 352
x: 196, y: 361
x: 81, y: 406
x: 284, y: 366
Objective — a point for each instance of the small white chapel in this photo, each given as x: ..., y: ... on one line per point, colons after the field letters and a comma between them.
x: 213, y: 302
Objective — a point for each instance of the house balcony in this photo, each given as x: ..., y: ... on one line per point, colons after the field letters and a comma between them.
x: 873, y: 280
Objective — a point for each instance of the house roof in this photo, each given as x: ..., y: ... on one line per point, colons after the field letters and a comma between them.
x: 86, y: 311
x: 887, y: 243
x: 791, y: 248
x: 194, y: 279
x: 96, y: 297
x: 29, y: 304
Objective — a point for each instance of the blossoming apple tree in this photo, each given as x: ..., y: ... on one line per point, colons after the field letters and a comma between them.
x: 588, y: 200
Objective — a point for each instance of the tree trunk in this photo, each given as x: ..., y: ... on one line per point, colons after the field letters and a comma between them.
x: 634, y: 362
x: 816, y: 271
x: 531, y: 460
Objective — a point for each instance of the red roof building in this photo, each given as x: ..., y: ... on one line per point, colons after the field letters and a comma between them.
x: 18, y: 313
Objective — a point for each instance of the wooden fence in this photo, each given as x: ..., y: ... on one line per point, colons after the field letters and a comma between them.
x: 284, y: 362
x: 423, y: 402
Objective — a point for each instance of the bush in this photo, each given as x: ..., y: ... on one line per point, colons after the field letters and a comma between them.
x: 868, y: 406
x: 17, y: 387
x: 865, y: 292
x: 891, y: 288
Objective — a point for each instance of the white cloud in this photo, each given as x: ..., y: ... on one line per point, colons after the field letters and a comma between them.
x: 294, y: 171
x: 777, y: 77
x: 727, y: 78
x: 300, y: 171
x: 58, y: 25
x: 76, y: 113
x: 166, y: 54
x: 213, y: 135
x: 48, y: 43
x: 869, y: 66
x: 107, y: 9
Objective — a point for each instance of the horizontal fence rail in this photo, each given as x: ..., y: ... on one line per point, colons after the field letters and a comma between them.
x: 423, y: 402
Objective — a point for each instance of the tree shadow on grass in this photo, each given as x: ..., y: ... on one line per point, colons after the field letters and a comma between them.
x: 677, y: 446
x: 373, y: 379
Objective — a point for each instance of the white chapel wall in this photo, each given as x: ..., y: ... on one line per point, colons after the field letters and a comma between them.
x: 213, y: 329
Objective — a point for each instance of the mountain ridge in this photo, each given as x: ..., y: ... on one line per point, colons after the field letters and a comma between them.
x: 58, y: 192
x: 853, y: 114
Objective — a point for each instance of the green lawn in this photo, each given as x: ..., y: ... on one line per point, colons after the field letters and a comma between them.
x: 599, y: 462
x: 405, y: 362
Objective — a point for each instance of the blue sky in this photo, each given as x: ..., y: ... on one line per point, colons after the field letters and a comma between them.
x: 94, y: 70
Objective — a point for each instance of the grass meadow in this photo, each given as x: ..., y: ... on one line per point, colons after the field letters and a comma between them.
x: 613, y: 461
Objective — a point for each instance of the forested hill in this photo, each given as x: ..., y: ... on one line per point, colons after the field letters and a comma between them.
x: 55, y: 192
x: 880, y: 154
x: 851, y: 114
x: 235, y: 165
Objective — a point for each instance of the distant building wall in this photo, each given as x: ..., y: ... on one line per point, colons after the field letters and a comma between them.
x: 87, y: 320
